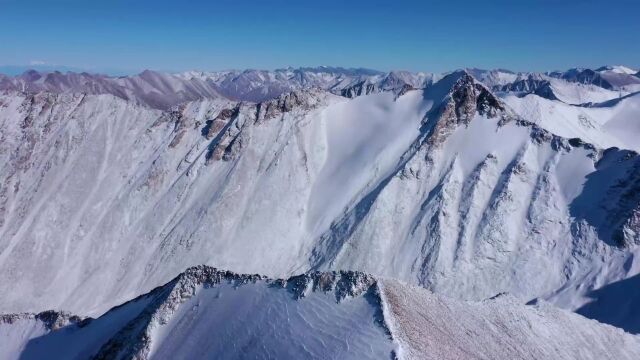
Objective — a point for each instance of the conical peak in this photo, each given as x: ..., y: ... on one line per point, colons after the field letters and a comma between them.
x: 468, y: 96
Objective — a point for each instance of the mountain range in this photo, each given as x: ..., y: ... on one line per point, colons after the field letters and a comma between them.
x: 446, y: 202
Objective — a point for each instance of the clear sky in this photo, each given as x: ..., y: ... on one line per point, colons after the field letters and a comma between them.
x: 107, y: 35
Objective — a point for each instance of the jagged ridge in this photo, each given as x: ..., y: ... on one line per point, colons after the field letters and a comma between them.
x: 405, y: 323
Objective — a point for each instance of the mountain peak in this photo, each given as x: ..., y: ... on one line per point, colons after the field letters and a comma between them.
x: 31, y: 75
x: 468, y: 96
x: 461, y: 98
x: 254, y: 315
x: 619, y: 69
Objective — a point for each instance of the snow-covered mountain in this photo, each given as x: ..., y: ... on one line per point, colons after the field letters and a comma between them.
x: 574, y: 86
x: 153, y: 89
x: 612, y: 123
x: 256, y: 85
x: 469, y: 184
x: 608, y: 77
x: 572, y: 106
x: 207, y: 313
x: 164, y: 90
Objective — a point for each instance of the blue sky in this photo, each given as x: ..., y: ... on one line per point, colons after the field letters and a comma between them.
x: 119, y: 35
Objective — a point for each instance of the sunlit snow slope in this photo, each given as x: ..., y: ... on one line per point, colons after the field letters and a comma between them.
x: 209, y: 314
x: 606, y: 124
x: 446, y: 187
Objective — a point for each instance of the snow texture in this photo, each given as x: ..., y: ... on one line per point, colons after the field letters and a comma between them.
x: 441, y: 184
x: 206, y: 313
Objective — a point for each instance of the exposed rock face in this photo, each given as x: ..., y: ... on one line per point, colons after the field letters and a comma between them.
x: 466, y: 99
x: 301, y: 100
x: 214, y: 126
x: 529, y: 84
x: 625, y: 216
x: 532, y: 85
x: 227, y: 130
x: 343, y: 283
x: 52, y: 320
x: 359, y: 89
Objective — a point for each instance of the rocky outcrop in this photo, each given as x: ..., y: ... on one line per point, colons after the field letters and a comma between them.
x: 466, y: 98
x: 51, y: 319
x: 227, y: 133
x: 342, y: 283
x: 214, y: 126
x: 625, y: 217
x: 531, y: 85
x: 362, y: 88
x: 295, y: 100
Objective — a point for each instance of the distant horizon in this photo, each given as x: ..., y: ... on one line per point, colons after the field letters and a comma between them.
x: 123, y: 37
x: 16, y: 70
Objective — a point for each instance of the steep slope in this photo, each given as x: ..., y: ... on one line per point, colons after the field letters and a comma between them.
x: 481, y: 208
x: 606, y: 124
x: 444, y: 187
x: 175, y: 194
x: 207, y: 313
x: 426, y: 326
x: 311, y: 316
